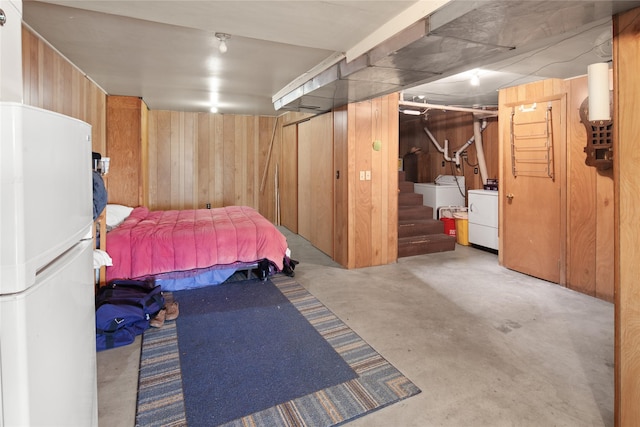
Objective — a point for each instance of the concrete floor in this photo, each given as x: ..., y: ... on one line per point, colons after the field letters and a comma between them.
x: 486, y: 345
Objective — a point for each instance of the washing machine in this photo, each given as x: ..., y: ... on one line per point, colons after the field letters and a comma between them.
x: 447, y: 190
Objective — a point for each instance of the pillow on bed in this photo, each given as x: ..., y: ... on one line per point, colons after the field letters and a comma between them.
x: 116, y: 214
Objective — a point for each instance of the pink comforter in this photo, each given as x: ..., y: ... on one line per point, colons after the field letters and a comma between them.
x: 153, y: 242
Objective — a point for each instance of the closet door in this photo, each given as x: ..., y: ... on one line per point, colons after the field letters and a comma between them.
x: 305, y: 210
x: 533, y: 224
x: 289, y: 178
x: 315, y: 182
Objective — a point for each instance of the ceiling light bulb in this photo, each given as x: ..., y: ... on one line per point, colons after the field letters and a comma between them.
x: 475, y: 80
x: 222, y: 47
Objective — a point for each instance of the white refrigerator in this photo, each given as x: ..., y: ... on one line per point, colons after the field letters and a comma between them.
x: 47, y: 314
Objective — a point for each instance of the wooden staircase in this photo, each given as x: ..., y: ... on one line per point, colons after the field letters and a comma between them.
x: 418, y: 232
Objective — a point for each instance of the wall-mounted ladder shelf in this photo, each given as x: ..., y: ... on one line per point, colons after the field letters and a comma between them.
x: 532, y: 142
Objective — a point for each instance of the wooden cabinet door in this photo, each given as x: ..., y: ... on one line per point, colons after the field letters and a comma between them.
x: 532, y: 230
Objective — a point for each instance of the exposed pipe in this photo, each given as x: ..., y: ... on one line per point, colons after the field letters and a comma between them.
x: 478, y: 127
x: 445, y: 150
x: 482, y: 164
x: 461, y: 149
x: 478, y: 112
x: 469, y: 142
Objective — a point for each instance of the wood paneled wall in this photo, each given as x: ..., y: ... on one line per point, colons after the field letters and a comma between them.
x: 197, y: 159
x: 626, y: 55
x: 51, y: 82
x: 367, y: 220
x: 457, y: 127
x: 590, y: 216
x: 128, y: 148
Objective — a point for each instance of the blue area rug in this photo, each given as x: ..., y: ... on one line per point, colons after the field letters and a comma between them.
x: 264, y: 350
x: 260, y: 354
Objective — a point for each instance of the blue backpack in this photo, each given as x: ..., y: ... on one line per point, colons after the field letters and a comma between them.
x: 123, y: 310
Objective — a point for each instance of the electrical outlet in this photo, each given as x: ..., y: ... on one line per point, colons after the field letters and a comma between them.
x: 367, y: 175
x: 443, y: 163
x: 361, y: 175
x: 475, y: 171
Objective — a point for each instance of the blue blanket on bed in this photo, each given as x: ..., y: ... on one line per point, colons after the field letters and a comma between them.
x: 99, y: 195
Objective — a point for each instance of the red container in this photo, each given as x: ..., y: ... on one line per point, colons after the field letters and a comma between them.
x: 449, y: 226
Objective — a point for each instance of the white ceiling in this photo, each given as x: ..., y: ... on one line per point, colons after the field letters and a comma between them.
x: 165, y: 51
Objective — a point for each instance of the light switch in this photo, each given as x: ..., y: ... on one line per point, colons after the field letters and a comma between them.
x: 367, y: 175
x: 361, y: 175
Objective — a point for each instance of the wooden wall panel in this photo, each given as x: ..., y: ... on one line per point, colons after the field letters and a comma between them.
x: 267, y: 160
x: 344, y: 182
x: 373, y: 228
x: 197, y: 159
x: 361, y: 120
x: 590, y: 210
x: 582, y: 223
x: 126, y: 119
x: 51, y: 82
x: 626, y: 54
x: 605, y: 232
x: 388, y: 156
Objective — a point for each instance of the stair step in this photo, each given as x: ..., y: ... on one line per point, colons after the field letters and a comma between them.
x: 410, y: 199
x: 425, y: 244
x: 405, y: 186
x: 418, y: 227
x: 414, y: 212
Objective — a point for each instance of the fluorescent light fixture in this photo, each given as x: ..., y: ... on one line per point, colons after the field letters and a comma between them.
x: 412, y: 112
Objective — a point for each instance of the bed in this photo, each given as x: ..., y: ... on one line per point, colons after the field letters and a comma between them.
x: 185, y: 249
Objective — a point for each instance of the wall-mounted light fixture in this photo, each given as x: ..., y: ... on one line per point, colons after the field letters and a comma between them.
x: 222, y: 37
x: 595, y: 114
x: 598, y: 82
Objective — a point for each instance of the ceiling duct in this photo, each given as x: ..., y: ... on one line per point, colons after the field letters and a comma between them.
x: 459, y: 36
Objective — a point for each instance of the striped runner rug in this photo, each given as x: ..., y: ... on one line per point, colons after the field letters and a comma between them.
x: 378, y: 383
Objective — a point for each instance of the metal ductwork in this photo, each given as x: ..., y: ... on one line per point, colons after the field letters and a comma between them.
x: 459, y: 36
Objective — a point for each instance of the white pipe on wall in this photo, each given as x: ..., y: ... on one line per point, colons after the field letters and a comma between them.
x: 482, y: 164
x: 477, y: 111
x: 478, y: 127
x: 445, y: 150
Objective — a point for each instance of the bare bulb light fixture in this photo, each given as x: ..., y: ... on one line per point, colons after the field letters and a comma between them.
x: 222, y: 37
